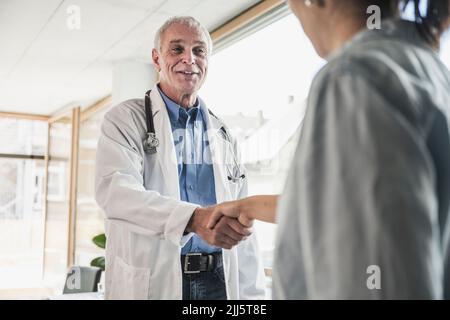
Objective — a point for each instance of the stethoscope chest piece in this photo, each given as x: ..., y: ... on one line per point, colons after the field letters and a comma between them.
x: 151, y: 142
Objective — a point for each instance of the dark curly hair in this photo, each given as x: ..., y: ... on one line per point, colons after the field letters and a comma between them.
x: 435, y: 21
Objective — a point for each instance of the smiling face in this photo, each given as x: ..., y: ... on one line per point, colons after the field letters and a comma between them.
x: 182, y: 61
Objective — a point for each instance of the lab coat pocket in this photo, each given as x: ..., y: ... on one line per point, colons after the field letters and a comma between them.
x: 129, y: 282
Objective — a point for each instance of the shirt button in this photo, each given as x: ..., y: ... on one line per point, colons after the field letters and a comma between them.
x: 191, y: 187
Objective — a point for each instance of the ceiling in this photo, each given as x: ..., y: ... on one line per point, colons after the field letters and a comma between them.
x: 46, y: 66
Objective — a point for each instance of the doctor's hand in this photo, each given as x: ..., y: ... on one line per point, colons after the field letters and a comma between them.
x: 227, y: 233
x: 230, y: 209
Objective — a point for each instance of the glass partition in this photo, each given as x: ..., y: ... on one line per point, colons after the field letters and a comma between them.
x: 57, y: 227
x: 22, y: 171
x: 90, y: 218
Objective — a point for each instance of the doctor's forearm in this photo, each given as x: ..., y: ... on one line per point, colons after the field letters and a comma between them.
x: 194, y: 221
x: 261, y: 207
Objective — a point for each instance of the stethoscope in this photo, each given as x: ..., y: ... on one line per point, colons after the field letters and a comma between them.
x: 151, y: 142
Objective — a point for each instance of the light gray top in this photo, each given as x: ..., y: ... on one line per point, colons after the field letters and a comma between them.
x: 367, y: 196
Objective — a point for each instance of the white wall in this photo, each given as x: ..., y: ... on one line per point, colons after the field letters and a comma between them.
x: 131, y: 79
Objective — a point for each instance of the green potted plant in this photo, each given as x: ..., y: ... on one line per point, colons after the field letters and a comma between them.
x: 99, y: 241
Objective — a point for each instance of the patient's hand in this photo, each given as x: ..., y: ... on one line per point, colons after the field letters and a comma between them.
x: 230, y: 209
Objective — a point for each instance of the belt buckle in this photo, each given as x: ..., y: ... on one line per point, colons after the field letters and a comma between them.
x: 187, y: 263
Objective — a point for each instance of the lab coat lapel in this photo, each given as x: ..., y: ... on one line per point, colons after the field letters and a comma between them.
x: 166, y: 149
x: 217, y: 156
x: 216, y: 145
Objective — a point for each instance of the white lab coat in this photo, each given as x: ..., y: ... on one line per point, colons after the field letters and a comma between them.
x: 145, y: 218
x: 365, y: 210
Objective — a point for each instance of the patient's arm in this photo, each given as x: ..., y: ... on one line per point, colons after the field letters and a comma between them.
x: 246, y: 210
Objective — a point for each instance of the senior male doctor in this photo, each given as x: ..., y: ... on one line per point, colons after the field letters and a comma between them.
x: 158, y: 245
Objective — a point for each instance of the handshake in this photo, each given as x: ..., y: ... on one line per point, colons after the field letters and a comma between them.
x: 223, y: 225
x: 228, y: 223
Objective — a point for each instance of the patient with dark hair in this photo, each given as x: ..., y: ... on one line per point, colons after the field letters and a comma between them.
x: 365, y: 209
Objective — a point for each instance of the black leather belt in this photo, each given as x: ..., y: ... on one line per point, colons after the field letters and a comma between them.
x: 196, y: 262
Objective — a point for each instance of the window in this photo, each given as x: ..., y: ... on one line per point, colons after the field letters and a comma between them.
x: 23, y: 137
x: 21, y: 202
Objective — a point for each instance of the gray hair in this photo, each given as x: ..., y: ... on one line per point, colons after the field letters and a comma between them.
x: 187, y: 21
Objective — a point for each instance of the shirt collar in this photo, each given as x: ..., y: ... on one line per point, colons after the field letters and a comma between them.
x: 175, y: 110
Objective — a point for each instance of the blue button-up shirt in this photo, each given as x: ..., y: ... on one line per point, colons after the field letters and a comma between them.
x: 195, y: 171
